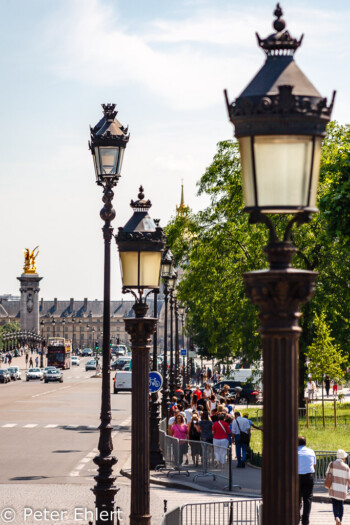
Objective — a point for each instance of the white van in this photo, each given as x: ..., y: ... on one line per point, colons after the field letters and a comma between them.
x: 122, y: 381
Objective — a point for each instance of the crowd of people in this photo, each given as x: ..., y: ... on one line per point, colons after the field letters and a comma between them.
x: 200, y: 416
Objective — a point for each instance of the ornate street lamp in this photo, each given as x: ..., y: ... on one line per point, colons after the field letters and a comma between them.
x: 53, y: 322
x: 172, y: 285
x: 177, y: 345
x: 167, y: 269
x: 280, y: 120
x: 140, y: 245
x: 107, y: 144
x: 182, y: 310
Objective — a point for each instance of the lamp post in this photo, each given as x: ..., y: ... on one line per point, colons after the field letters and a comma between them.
x: 53, y: 322
x: 107, y: 144
x: 42, y: 345
x: 177, y: 345
x: 73, y: 335
x: 280, y: 120
x: 167, y: 269
x: 172, y: 285
x: 140, y: 245
x: 182, y: 310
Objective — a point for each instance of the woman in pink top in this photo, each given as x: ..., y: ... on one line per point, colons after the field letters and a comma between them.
x: 179, y: 430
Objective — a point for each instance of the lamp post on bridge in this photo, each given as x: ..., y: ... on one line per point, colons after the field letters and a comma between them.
x: 108, y: 141
x: 280, y: 120
x: 140, y: 245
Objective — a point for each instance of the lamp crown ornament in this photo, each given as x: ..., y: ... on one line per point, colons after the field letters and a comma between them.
x: 281, y: 42
x: 141, y: 204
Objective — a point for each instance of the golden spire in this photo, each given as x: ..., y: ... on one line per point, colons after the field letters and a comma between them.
x: 182, y: 209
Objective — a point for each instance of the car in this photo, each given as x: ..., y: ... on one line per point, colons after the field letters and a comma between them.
x: 91, y: 365
x: 15, y: 372
x: 34, y: 373
x: 248, y: 393
x: 5, y: 376
x: 87, y: 352
x: 54, y: 375
x: 75, y: 360
x: 119, y: 363
x: 47, y: 368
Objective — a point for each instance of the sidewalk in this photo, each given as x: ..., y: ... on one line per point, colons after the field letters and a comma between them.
x: 248, y: 479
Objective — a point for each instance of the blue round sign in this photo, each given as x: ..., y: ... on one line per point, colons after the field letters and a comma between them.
x: 155, y: 382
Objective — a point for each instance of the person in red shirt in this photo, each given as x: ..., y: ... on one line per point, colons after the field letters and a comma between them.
x: 221, y: 432
x: 197, y: 392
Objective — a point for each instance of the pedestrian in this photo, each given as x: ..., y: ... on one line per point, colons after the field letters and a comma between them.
x: 327, y: 384
x: 27, y: 357
x: 335, y: 388
x: 188, y: 393
x: 221, y: 432
x: 306, y: 470
x: 338, y: 490
x: 240, y: 432
x: 179, y: 430
x: 31, y: 362
x: 194, y: 437
x: 10, y: 359
x: 311, y: 387
x: 37, y: 361
x: 207, y: 391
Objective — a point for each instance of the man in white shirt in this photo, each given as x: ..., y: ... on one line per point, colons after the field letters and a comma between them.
x: 240, y: 424
x: 306, y: 469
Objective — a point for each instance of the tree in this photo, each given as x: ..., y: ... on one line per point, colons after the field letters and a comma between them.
x: 325, y: 357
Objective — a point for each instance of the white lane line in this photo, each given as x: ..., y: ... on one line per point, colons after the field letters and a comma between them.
x: 30, y: 425
x: 71, y: 427
x: 93, y: 452
x: 51, y: 426
x: 44, y: 393
x: 9, y: 425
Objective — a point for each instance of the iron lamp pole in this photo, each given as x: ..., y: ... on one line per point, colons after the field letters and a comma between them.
x: 107, y: 144
x: 140, y: 245
x: 280, y: 120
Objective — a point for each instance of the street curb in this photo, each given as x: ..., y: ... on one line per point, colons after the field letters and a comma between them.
x: 191, y: 486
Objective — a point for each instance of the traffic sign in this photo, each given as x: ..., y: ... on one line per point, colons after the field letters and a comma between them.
x: 155, y: 382
x: 183, y: 352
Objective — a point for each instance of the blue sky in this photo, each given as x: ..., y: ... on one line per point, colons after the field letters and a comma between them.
x: 165, y: 65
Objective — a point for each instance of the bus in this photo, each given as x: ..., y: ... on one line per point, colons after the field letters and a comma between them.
x: 59, y: 352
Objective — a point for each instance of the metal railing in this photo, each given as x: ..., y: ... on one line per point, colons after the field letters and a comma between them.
x: 323, y: 459
x: 231, y: 512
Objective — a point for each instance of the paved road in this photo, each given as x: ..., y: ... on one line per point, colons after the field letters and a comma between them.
x: 48, y: 437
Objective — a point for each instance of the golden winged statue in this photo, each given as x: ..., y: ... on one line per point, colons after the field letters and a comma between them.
x: 29, y: 260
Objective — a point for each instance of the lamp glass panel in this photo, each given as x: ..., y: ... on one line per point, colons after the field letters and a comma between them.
x: 150, y: 269
x: 315, y: 171
x: 120, y: 160
x: 247, y: 171
x: 108, y: 160
x: 129, y: 268
x: 283, y: 167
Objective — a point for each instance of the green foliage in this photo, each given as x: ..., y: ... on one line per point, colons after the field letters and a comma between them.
x: 215, y: 246
x: 8, y: 327
x: 325, y: 356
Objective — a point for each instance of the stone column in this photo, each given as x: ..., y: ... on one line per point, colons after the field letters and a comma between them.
x: 29, y: 305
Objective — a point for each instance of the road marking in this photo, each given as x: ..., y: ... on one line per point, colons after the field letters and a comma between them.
x: 44, y: 393
x: 30, y: 425
x: 71, y: 427
x: 51, y: 426
x: 93, y: 452
x: 9, y: 425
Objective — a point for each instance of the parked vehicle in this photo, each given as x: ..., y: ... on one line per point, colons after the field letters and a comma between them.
x: 119, y: 363
x: 54, y: 375
x: 75, y: 360
x: 122, y: 382
x: 5, y: 376
x: 91, y: 365
x: 15, y: 373
x: 248, y: 394
x: 34, y: 373
x: 87, y: 352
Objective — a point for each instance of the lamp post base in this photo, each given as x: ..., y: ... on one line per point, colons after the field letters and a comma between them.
x: 156, y: 457
x: 279, y: 294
